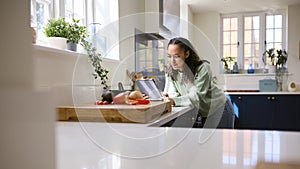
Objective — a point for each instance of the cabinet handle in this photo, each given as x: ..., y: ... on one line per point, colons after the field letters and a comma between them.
x: 240, y: 98
x: 271, y: 98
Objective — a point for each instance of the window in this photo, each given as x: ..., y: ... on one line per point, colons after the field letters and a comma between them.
x: 42, y: 10
x: 230, y: 40
x: 251, y: 41
x: 90, y: 13
x: 40, y: 13
x: 274, y: 31
x: 75, y: 9
x: 150, y: 57
x: 246, y: 36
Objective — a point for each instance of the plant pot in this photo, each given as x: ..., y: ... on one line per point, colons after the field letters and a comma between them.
x: 57, y: 42
x: 271, y: 69
x: 72, y: 46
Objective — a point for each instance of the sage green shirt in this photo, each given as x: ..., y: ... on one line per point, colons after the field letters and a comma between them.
x: 203, y: 94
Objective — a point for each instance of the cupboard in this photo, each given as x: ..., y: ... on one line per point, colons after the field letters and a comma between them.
x: 267, y: 111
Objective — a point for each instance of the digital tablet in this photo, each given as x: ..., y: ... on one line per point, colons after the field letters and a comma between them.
x: 148, y: 87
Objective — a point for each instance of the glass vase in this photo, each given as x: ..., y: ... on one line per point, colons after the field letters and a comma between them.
x: 281, y: 77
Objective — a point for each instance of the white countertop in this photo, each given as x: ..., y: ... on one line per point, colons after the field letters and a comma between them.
x: 176, y: 112
x: 111, y: 146
x: 264, y: 93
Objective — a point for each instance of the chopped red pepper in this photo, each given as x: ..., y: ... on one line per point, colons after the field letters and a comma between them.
x: 133, y: 102
x: 143, y: 101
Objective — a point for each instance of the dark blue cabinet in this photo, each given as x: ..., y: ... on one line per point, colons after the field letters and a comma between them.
x: 287, y: 112
x: 267, y: 112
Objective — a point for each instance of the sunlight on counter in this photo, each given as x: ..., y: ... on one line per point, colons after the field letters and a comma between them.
x: 248, y: 148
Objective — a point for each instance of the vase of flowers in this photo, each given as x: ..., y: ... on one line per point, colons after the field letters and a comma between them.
x: 281, y: 69
x: 227, y: 63
x: 277, y: 59
x: 269, y: 59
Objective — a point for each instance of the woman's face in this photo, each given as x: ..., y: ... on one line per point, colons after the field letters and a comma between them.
x: 177, y: 56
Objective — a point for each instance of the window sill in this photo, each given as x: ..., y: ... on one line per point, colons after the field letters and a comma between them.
x: 45, y: 48
x: 53, y: 50
x: 250, y: 74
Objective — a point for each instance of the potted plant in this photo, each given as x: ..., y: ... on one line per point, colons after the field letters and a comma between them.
x: 56, y: 31
x: 277, y: 59
x: 225, y: 63
x: 270, y: 53
x: 281, y: 70
x: 281, y: 58
x: 75, y: 33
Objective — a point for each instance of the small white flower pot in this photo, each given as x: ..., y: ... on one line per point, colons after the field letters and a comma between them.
x: 57, y: 42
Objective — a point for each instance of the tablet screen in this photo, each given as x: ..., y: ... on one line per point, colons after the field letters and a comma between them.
x: 148, y: 87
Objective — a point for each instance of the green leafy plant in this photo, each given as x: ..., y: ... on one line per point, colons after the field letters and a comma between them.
x: 278, y: 58
x: 270, y: 53
x: 281, y: 58
x: 226, y: 60
x: 281, y: 70
x: 75, y: 32
x: 56, y: 28
x: 96, y: 61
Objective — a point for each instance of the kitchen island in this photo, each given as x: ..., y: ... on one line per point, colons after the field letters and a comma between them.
x: 87, y: 145
x: 96, y: 145
x: 154, y: 114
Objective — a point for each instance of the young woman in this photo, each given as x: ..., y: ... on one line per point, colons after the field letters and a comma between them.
x: 189, y: 82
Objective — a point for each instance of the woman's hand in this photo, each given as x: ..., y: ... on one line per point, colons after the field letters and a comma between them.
x: 170, y: 99
x: 145, y: 96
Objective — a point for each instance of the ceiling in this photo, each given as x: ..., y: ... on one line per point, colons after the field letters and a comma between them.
x: 233, y: 6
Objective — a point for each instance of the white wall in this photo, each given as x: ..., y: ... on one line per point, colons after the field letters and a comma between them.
x: 186, y: 22
x: 26, y: 116
x: 20, y: 75
x: 131, y: 17
x: 68, y: 75
x: 152, y: 16
x: 294, y: 43
x: 206, y: 38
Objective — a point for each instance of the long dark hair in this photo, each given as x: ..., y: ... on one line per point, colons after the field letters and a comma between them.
x: 191, y: 63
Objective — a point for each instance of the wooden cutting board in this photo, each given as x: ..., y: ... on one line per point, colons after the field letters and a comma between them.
x: 114, y: 113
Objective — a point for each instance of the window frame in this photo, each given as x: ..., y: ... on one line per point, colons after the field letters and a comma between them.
x: 238, y: 36
x: 262, y: 34
x: 48, y: 12
x: 56, y: 10
x: 62, y: 10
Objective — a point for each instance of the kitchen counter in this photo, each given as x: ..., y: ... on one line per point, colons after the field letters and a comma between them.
x: 264, y: 93
x: 163, y: 119
x: 107, y: 145
x: 90, y: 113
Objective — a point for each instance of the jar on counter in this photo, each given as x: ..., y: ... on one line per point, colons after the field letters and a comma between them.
x: 250, y: 69
x: 235, y: 68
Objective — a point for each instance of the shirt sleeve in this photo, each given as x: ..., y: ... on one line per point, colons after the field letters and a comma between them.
x: 170, y: 88
x: 198, y: 90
